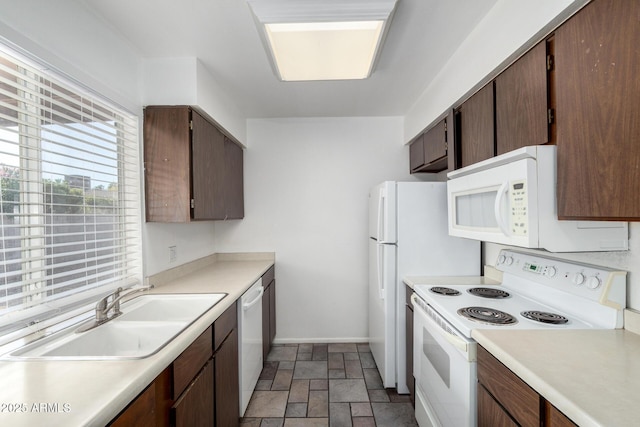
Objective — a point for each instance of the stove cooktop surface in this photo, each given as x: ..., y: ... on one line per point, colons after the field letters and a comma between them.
x: 466, y: 311
x: 536, y: 292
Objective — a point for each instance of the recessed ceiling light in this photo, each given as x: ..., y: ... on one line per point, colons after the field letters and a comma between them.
x: 322, y: 40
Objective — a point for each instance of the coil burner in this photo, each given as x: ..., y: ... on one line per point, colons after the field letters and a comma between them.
x: 489, y: 316
x: 489, y: 293
x: 444, y: 291
x: 544, y: 317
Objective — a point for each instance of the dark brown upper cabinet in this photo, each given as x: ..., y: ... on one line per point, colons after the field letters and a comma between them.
x: 523, y: 115
x: 597, y: 64
x: 192, y: 170
x: 428, y: 152
x: 475, y: 137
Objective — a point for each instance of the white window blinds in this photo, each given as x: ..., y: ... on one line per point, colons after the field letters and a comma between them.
x: 70, y: 208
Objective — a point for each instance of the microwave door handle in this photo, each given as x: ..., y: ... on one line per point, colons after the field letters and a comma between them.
x: 502, y: 192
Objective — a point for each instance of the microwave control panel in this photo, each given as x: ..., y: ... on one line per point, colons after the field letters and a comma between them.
x: 519, y: 212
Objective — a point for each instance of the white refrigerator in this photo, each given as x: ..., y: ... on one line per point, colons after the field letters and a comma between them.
x: 408, y: 236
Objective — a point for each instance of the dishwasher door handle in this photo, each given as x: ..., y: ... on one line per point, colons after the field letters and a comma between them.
x: 247, y: 305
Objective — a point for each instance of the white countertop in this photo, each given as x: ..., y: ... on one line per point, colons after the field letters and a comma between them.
x: 79, y: 393
x: 592, y: 376
x: 413, y: 281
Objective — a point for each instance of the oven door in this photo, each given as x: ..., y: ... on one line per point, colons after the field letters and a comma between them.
x: 444, y: 366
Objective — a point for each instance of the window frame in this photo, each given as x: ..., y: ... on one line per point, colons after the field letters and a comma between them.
x: 127, y: 210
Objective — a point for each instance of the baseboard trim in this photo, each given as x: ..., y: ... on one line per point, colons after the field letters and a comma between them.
x: 359, y: 340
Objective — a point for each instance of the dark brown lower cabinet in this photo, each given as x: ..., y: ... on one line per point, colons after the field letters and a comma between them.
x: 195, y: 407
x: 490, y: 413
x: 227, y: 386
x: 554, y: 418
x: 505, y: 400
x: 409, y: 345
x: 140, y: 413
x: 268, y: 311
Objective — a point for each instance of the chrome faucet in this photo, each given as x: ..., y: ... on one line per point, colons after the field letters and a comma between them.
x: 103, y: 307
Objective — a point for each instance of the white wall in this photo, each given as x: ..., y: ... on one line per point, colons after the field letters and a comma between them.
x: 306, y: 194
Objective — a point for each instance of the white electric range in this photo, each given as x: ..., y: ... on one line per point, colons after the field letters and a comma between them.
x: 536, y: 292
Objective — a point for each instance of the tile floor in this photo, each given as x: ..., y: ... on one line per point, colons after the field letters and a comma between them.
x: 316, y: 385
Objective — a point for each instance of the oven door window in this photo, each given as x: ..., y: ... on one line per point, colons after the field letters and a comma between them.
x: 436, y: 355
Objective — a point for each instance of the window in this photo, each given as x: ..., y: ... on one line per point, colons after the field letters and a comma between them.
x: 69, y: 181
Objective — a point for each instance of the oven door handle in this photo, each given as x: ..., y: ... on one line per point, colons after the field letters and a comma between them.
x: 454, y: 340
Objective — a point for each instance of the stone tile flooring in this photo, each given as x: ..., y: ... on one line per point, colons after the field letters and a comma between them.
x: 321, y: 385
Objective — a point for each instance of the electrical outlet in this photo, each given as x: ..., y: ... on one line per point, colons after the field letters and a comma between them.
x: 173, y: 253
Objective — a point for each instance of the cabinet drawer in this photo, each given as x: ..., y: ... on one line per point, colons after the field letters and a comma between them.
x: 224, y: 324
x: 521, y: 401
x: 189, y: 363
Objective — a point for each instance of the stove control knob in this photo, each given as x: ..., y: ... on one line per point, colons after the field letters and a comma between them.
x: 578, y: 279
x: 594, y: 282
x: 501, y: 259
x: 508, y: 260
x: 550, y: 272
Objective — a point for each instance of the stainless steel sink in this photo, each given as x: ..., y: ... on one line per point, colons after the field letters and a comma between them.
x: 147, y: 324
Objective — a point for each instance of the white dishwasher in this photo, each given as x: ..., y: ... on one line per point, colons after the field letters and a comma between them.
x: 250, y: 341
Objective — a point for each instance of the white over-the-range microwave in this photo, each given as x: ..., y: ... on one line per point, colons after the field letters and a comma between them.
x: 511, y: 199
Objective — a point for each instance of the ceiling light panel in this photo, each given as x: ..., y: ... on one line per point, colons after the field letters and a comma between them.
x: 322, y: 40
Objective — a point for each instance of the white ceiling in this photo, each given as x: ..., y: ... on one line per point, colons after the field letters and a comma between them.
x: 223, y: 36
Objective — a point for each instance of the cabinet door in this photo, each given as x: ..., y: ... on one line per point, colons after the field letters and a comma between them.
x: 476, y: 136
x: 140, y: 412
x: 233, y: 180
x: 272, y: 311
x: 227, y: 383
x: 521, y: 102
x: 597, y: 116
x: 208, y: 173
x: 409, y: 344
x: 428, y: 151
x: 490, y: 413
x: 167, y: 164
x: 416, y: 153
x: 195, y: 407
x: 435, y: 144
x: 554, y: 418
x: 514, y: 395
x: 266, y: 330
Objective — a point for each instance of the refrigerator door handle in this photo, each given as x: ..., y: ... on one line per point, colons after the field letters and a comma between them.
x: 382, y: 218
x: 380, y: 250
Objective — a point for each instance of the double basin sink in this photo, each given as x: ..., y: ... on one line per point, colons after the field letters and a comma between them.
x: 147, y: 324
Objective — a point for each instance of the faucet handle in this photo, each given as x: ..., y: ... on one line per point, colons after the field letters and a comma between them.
x: 102, y: 306
x: 116, y: 302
